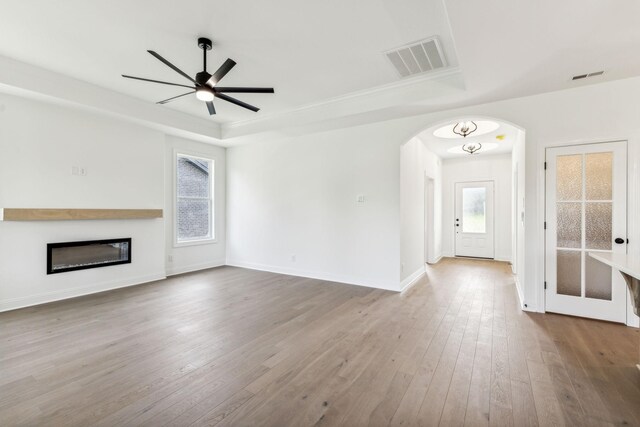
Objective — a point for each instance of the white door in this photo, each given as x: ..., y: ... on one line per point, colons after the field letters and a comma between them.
x: 586, y: 211
x: 474, y: 219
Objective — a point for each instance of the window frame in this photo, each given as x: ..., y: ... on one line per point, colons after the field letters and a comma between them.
x: 177, y: 153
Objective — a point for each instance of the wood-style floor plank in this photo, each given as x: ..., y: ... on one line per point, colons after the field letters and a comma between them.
x: 235, y: 347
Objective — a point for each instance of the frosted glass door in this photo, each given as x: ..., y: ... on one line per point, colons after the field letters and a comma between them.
x: 585, y: 212
x: 473, y: 224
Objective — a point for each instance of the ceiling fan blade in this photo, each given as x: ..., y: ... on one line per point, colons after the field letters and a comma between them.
x: 156, y: 81
x: 211, y: 108
x: 171, y: 99
x: 244, y: 89
x: 235, y: 101
x: 221, y: 72
x: 173, y: 67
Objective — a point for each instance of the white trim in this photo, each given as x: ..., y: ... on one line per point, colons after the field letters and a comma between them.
x: 413, y: 279
x: 389, y: 87
x: 195, y: 267
x: 437, y: 260
x: 62, y: 294
x: 520, y: 295
x: 348, y: 280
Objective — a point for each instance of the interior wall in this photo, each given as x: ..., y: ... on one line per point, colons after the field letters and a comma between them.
x: 125, y: 169
x: 293, y: 206
x: 600, y: 112
x: 416, y: 163
x: 479, y: 168
x: 518, y: 167
x: 183, y: 258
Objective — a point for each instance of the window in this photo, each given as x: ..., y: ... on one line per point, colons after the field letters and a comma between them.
x: 474, y: 219
x: 194, y: 199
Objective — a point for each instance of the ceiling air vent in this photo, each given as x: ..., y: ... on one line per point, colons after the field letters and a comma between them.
x: 416, y: 58
x: 584, y: 76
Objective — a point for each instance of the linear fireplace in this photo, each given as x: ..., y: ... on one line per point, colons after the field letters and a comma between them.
x: 70, y: 256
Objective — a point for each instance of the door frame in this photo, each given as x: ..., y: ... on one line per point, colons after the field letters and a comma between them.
x: 633, y: 208
x: 493, y: 210
x: 429, y: 220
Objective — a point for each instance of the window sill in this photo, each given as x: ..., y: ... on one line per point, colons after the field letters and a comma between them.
x: 194, y: 243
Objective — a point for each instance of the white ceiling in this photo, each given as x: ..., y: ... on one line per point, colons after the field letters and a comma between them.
x: 307, y: 51
x: 441, y: 146
x: 318, y: 54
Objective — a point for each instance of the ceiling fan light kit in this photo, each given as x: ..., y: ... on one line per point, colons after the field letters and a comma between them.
x: 204, y: 85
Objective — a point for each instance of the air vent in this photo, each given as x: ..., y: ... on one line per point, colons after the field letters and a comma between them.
x: 584, y: 76
x: 417, y: 58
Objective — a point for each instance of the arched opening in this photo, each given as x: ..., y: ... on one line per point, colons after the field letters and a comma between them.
x: 462, y: 194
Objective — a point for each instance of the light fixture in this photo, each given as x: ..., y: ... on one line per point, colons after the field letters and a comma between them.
x: 471, y: 147
x: 486, y: 146
x: 484, y: 127
x: 204, y: 94
x: 465, y: 129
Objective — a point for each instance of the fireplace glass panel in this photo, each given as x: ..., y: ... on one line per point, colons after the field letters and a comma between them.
x: 70, y: 256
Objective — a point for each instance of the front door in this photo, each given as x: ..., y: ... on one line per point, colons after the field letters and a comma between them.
x: 586, y: 211
x: 474, y: 219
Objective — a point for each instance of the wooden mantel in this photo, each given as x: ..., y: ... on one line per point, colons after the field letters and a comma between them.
x: 25, y: 214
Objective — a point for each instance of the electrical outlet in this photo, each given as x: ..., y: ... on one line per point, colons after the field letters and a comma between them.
x: 360, y: 199
x: 170, y: 258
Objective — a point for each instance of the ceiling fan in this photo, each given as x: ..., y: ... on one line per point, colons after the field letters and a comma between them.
x: 205, y: 84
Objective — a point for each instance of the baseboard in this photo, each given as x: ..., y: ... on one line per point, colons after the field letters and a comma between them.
x: 437, y: 260
x: 520, y: 296
x: 412, y: 279
x: 195, y: 267
x: 43, y: 298
x: 348, y: 280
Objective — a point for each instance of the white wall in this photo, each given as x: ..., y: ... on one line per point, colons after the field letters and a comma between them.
x: 479, y: 168
x: 416, y: 163
x: 297, y: 197
x: 600, y: 112
x: 517, y: 203
x: 183, y: 258
x: 125, y: 163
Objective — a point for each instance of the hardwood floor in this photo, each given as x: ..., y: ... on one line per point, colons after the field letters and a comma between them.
x: 234, y: 347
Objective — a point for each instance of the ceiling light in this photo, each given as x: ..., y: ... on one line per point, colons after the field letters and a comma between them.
x: 459, y: 149
x: 465, y: 129
x: 472, y: 147
x: 204, y: 94
x: 484, y: 126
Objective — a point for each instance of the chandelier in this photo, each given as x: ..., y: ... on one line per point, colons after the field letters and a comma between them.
x: 465, y: 129
x: 472, y: 147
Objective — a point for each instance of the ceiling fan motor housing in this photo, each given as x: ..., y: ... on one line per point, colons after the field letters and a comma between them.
x: 204, y: 43
x: 202, y: 78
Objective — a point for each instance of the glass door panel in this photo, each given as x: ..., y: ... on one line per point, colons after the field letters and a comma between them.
x: 586, y: 211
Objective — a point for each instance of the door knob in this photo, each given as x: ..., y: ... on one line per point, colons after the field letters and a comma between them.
x: 619, y: 240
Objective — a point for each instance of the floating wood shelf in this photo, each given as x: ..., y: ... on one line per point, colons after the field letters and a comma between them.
x: 22, y: 214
